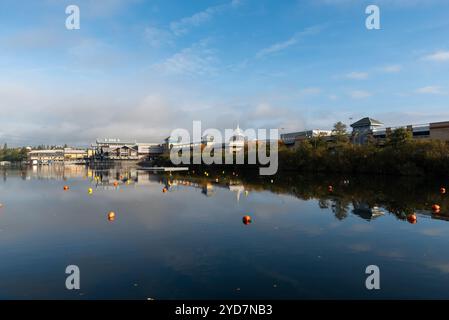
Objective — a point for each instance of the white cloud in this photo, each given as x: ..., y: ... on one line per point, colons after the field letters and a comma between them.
x: 430, y: 90
x: 357, y: 75
x: 196, y: 60
x: 359, y: 94
x: 184, y: 25
x: 392, y: 68
x: 280, y: 46
x: 157, y: 37
x: 439, y: 56
x: 277, y: 47
x: 310, y: 91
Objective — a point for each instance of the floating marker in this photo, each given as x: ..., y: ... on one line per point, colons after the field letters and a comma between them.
x: 246, y: 220
x: 111, y: 216
x: 66, y: 188
x: 436, y: 208
x: 412, y: 218
x: 90, y: 191
x: 115, y: 184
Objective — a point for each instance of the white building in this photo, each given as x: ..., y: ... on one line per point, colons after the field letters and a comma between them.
x: 237, y: 141
x: 46, y: 156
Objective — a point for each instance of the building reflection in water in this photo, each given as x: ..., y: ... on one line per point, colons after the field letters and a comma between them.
x: 359, y: 198
x: 366, y: 211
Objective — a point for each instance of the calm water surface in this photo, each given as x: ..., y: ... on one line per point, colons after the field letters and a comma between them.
x: 190, y: 242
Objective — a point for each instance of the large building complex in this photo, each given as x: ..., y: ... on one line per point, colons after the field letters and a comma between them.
x: 363, y: 131
x: 235, y: 143
x: 116, y: 149
x: 65, y: 155
x: 368, y: 129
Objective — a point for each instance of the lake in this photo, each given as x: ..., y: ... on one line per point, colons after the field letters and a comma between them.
x: 183, y: 237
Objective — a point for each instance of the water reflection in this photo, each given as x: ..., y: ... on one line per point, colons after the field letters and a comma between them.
x: 207, y: 236
x: 366, y: 197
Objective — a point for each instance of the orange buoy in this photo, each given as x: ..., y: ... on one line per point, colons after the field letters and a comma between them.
x: 412, y: 218
x: 164, y: 190
x: 115, y: 184
x: 111, y: 216
x: 436, y: 208
x: 246, y: 220
x: 442, y: 190
x: 66, y: 188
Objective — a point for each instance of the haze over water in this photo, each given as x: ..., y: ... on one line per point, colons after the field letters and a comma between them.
x: 190, y: 242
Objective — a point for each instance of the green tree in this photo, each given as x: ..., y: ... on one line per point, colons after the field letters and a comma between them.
x: 340, y: 133
x: 400, y: 137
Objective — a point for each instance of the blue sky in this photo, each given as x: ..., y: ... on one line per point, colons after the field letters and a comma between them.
x: 140, y: 68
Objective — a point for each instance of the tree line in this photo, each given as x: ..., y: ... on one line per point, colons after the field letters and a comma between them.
x: 13, y: 154
x: 397, y: 154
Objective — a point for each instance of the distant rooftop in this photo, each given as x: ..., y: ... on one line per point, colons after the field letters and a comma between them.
x: 367, y: 122
x: 113, y: 141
